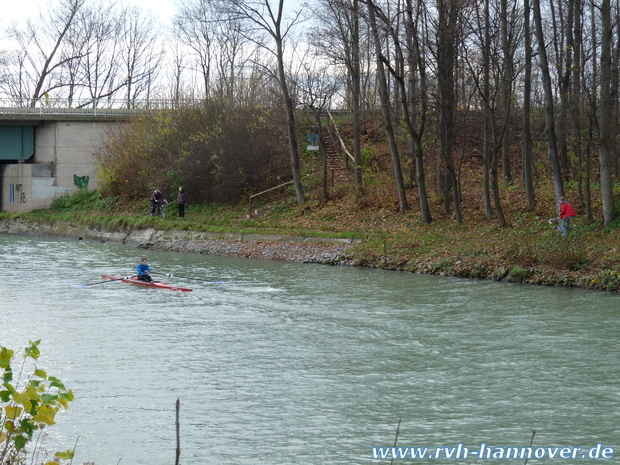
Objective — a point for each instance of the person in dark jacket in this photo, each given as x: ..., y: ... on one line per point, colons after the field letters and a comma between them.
x: 157, y: 199
x: 181, y: 199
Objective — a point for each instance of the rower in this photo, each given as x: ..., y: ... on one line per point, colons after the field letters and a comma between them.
x: 144, y: 271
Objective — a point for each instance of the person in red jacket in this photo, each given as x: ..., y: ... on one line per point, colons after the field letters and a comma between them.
x: 566, y: 213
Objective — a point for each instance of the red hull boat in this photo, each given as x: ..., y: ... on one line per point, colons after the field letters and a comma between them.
x: 155, y: 284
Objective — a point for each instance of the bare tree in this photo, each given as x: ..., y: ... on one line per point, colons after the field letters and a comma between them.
x: 384, y: 93
x: 606, y: 109
x: 269, y: 18
x: 491, y: 88
x: 232, y: 57
x: 356, y: 95
x: 417, y: 97
x: 507, y: 34
x: 195, y: 27
x: 575, y: 42
x: 409, y: 73
x: 527, y: 168
x: 558, y: 185
x: 142, y: 53
x: 96, y: 34
x: 447, y: 37
x: 39, y: 47
x: 176, y: 72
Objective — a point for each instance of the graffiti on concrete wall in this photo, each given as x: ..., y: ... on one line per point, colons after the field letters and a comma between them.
x: 22, y: 195
x: 80, y: 181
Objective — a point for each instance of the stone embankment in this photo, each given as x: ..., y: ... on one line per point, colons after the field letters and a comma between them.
x: 315, y: 250
x: 267, y: 247
x: 284, y: 249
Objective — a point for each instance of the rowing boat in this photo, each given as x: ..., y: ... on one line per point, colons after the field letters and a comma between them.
x: 155, y: 284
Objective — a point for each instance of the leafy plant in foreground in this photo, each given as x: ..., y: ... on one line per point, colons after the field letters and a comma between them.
x: 27, y: 407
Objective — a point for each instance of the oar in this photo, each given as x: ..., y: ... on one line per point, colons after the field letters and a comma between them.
x: 104, y: 282
x: 187, y: 277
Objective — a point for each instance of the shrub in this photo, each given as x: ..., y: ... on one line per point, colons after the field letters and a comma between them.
x: 566, y: 254
x: 29, y: 406
x: 217, y: 152
x: 83, y: 199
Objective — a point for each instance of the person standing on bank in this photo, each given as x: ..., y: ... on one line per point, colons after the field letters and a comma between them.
x: 566, y: 213
x: 144, y: 271
x: 181, y: 199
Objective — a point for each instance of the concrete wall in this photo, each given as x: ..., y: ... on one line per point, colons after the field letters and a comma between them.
x: 64, y: 157
x: 26, y: 187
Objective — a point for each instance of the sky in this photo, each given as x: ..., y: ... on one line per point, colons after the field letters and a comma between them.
x: 164, y: 10
x: 21, y: 9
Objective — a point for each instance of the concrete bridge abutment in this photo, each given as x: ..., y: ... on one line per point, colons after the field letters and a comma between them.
x: 64, y: 160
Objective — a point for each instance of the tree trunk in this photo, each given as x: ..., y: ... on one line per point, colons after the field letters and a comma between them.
x: 528, y: 178
x: 563, y: 58
x: 592, y: 124
x: 415, y: 61
x: 356, y: 100
x: 574, y: 42
x: 487, y: 123
x: 501, y: 219
x: 291, y: 126
x: 446, y: 63
x: 506, y: 89
x: 385, y: 109
x: 558, y: 185
x: 605, y: 145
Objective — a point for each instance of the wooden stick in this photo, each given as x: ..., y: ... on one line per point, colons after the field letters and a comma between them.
x: 176, y: 462
x: 395, y: 440
x: 531, y: 442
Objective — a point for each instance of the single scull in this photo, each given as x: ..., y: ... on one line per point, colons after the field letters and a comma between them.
x: 156, y: 284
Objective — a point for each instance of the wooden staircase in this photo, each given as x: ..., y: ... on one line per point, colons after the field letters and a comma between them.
x: 337, y: 168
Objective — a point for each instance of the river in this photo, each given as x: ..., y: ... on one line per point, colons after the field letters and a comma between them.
x: 289, y: 363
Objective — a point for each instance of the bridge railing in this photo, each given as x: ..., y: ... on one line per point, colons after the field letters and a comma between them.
x: 95, y: 107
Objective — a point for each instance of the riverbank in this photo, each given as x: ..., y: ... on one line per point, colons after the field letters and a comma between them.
x: 326, y: 251
x: 476, y: 261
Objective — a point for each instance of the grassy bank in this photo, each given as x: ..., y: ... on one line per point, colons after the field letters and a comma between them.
x: 527, y: 250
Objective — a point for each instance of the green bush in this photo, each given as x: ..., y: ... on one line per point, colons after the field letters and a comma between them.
x: 83, y: 199
x: 216, y: 152
x: 566, y: 254
x: 27, y: 407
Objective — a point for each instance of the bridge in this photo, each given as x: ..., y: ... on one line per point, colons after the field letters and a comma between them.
x: 48, y: 146
x: 47, y: 108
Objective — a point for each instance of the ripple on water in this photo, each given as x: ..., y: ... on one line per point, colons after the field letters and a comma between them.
x: 302, y: 364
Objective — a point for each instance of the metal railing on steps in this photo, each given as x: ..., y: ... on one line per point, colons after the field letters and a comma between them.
x: 253, y: 196
x: 342, y: 144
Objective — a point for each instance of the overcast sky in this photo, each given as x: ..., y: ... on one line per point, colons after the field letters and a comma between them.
x: 21, y: 9
x: 164, y: 10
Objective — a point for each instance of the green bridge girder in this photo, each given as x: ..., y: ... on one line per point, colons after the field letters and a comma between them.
x: 16, y: 142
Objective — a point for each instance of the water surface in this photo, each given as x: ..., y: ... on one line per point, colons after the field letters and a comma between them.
x: 305, y: 364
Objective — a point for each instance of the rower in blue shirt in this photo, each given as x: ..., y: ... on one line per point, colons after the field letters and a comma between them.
x: 144, y: 271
